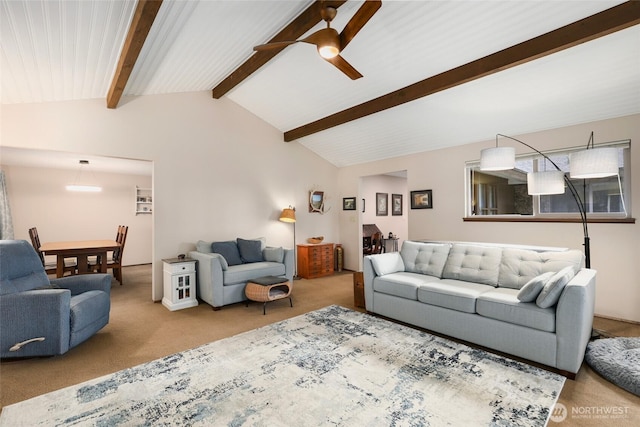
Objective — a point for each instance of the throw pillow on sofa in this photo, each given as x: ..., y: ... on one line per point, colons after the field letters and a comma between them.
x: 553, y: 288
x: 533, y: 287
x: 229, y: 250
x: 273, y: 254
x: 204, y: 247
x: 387, y: 263
x: 250, y: 250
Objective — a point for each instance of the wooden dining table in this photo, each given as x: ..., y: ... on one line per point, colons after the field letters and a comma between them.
x: 81, y: 250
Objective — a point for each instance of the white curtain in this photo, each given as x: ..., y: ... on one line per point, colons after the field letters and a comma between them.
x: 6, y: 222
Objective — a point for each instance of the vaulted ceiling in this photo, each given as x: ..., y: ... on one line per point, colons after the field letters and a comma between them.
x: 70, y: 50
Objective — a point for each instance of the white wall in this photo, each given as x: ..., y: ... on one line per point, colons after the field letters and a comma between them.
x: 615, y: 248
x: 219, y: 171
x: 38, y: 198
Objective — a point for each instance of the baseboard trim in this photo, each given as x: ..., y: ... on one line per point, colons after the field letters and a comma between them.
x: 633, y: 322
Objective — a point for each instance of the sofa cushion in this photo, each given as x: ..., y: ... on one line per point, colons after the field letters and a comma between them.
x: 273, y: 254
x: 401, y: 284
x: 425, y: 258
x: 472, y: 263
x: 229, y: 250
x: 204, y: 247
x: 552, y: 290
x: 250, y: 250
x: 502, y: 304
x: 245, y: 272
x: 533, y: 287
x: 518, y: 266
x: 454, y: 294
x: 387, y: 263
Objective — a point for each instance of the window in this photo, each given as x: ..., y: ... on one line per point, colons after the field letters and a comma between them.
x: 505, y: 192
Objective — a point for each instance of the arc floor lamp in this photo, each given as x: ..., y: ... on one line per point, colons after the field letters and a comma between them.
x: 589, y: 163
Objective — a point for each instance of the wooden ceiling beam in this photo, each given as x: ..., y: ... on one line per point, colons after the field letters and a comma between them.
x: 143, y: 17
x: 601, y: 24
x: 296, y: 29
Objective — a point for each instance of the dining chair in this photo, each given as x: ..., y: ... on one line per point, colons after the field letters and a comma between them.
x: 70, y: 264
x: 376, y: 245
x: 115, y: 263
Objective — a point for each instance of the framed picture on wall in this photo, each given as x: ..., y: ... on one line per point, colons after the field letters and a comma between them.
x: 382, y: 200
x: 348, y: 203
x: 396, y: 204
x: 421, y: 199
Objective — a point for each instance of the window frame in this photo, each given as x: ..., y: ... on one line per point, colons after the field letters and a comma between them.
x: 537, y: 216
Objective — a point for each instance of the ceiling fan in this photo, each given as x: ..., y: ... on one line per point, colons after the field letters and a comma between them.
x: 327, y: 40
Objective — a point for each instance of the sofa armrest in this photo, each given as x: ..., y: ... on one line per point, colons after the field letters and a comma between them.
x: 34, y: 314
x: 210, y: 281
x: 289, y: 264
x: 369, y: 275
x: 80, y: 283
x: 574, y: 319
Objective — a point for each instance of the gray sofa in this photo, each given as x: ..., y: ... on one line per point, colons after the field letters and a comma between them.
x: 224, y: 268
x: 531, y: 302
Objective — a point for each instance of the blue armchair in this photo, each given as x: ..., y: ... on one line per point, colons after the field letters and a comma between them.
x: 42, y: 317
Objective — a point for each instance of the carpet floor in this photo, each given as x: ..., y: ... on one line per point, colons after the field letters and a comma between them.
x: 332, y: 366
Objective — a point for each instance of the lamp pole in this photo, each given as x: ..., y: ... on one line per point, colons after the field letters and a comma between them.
x: 576, y: 197
x: 289, y: 215
x: 295, y: 253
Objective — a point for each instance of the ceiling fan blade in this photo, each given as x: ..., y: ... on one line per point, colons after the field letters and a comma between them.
x: 274, y: 45
x: 362, y: 16
x: 342, y: 65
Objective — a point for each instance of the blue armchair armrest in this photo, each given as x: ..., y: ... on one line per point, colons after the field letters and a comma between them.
x: 34, y: 314
x: 84, y: 282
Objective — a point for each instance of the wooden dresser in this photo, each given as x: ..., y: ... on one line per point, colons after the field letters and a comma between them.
x: 315, y: 260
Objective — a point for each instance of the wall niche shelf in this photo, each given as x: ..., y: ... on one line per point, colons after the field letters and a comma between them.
x: 144, y: 201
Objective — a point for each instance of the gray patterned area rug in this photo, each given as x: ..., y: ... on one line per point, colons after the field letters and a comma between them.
x: 333, y: 366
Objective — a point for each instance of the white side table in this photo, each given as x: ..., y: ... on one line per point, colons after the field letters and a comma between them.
x: 179, y: 283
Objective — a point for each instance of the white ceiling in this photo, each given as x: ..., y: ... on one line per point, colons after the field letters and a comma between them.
x: 66, y: 50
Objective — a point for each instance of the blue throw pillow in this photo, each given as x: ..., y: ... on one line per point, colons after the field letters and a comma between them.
x: 250, y: 250
x: 229, y: 250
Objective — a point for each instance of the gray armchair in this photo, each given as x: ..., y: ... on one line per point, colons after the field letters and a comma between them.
x: 42, y: 317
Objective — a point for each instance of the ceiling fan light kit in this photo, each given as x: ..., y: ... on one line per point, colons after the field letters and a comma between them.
x: 329, y: 43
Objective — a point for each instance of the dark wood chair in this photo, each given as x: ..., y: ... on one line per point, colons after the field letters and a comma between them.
x: 70, y: 264
x: 115, y: 263
x: 376, y: 245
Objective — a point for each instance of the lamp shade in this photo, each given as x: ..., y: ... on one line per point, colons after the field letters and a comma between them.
x: 85, y: 188
x: 288, y: 215
x: 594, y: 163
x: 497, y: 158
x: 545, y: 182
